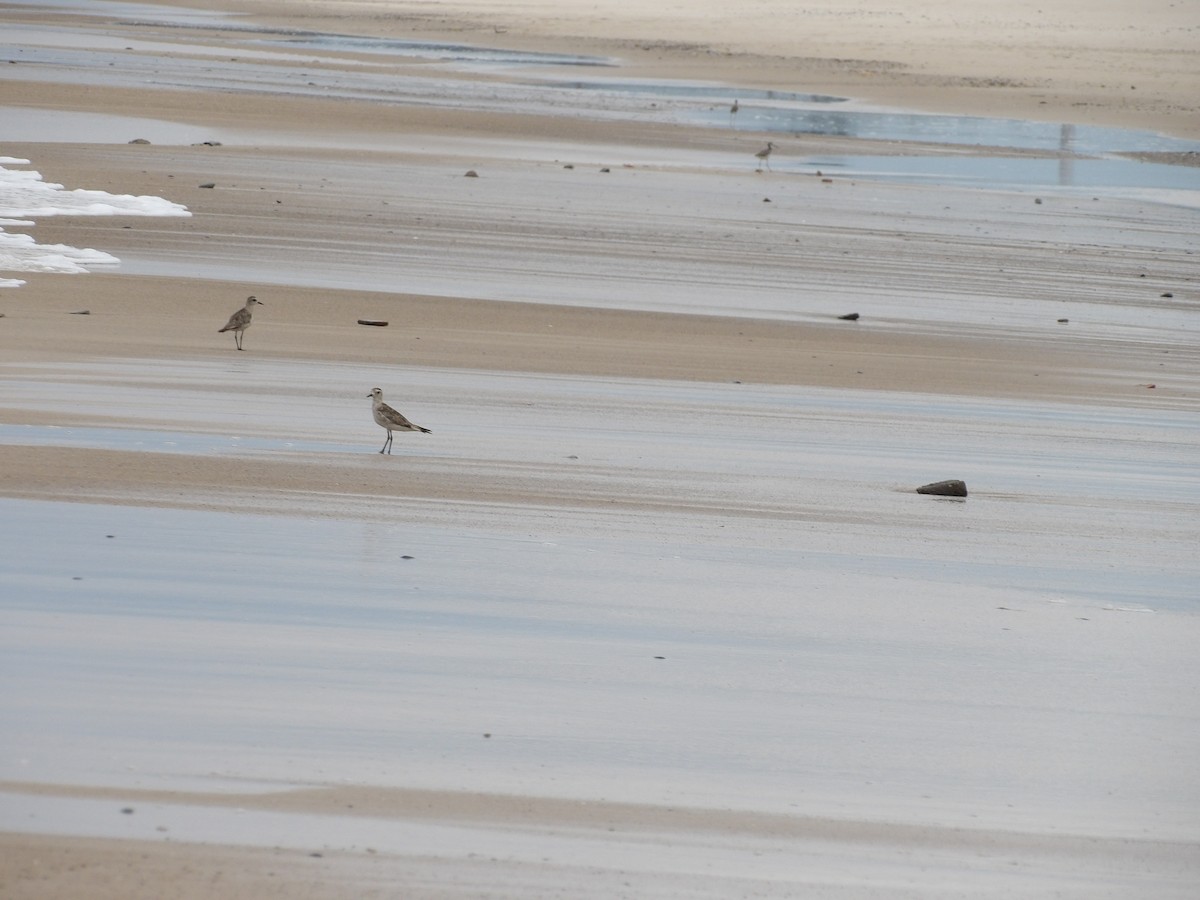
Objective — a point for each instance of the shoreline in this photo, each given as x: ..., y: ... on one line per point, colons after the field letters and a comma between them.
x: 879, y: 52
x: 655, y: 607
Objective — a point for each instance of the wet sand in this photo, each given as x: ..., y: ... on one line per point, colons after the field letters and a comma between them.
x: 849, y: 715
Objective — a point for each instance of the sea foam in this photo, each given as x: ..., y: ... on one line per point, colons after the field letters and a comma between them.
x: 24, y: 197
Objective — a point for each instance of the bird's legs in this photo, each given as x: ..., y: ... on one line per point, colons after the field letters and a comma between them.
x: 237, y: 339
x: 387, y: 444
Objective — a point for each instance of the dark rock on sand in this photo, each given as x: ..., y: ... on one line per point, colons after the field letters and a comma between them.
x: 951, y: 488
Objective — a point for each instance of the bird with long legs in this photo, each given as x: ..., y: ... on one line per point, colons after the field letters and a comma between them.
x: 764, y: 157
x: 390, y: 420
x: 240, y: 321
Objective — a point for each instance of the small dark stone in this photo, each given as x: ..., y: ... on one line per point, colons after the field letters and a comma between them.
x: 849, y: 317
x: 471, y: 173
x: 1064, y: 321
x: 82, y: 312
x: 139, y: 141
x: 380, y: 323
x: 606, y: 169
x: 766, y: 199
x: 406, y: 556
x: 209, y: 184
x: 950, y: 488
x: 1166, y: 294
x: 128, y: 811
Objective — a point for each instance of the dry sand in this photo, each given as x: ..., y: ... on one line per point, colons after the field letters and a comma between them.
x: 1060, y: 62
x: 1084, y: 62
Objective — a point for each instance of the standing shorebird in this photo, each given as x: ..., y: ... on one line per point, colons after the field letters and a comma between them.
x: 240, y: 321
x: 733, y: 112
x: 388, y: 418
x: 764, y: 156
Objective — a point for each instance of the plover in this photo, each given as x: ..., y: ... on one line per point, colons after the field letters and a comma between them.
x: 764, y: 156
x: 388, y: 418
x: 240, y: 321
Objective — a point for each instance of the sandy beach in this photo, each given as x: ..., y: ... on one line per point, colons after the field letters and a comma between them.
x: 655, y: 610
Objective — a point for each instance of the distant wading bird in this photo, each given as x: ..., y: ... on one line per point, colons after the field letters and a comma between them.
x: 240, y: 321
x: 733, y: 111
x: 388, y: 418
x: 764, y: 156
